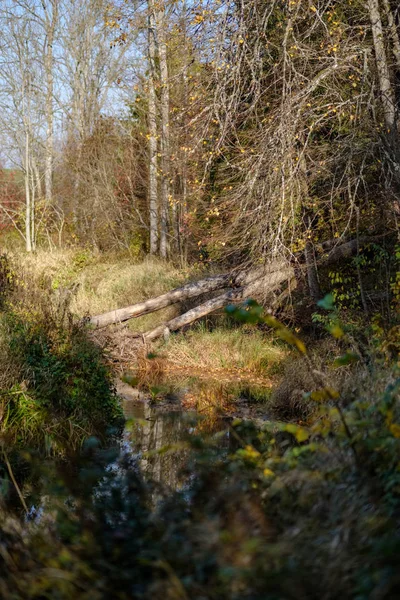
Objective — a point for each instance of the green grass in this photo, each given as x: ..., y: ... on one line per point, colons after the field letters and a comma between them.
x: 226, y: 349
x: 55, y: 384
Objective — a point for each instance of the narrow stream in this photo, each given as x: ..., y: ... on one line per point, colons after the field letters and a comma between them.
x: 161, y: 430
x: 162, y: 438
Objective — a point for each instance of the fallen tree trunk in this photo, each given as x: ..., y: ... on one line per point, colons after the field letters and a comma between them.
x: 255, y: 283
x: 190, y: 290
x: 262, y: 286
x: 194, y: 314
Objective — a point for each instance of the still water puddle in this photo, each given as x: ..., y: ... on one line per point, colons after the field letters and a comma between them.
x: 161, y: 439
x: 163, y: 426
x: 166, y: 416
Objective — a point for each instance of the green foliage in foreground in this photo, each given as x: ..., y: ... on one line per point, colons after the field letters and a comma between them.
x: 63, y: 370
x: 293, y: 511
x: 55, y: 387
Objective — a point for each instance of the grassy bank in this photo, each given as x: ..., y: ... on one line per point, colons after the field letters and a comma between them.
x: 225, y: 349
x: 56, y: 388
x: 103, y: 282
x: 94, y: 283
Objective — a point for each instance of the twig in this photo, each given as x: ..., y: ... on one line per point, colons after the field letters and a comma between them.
x: 10, y: 471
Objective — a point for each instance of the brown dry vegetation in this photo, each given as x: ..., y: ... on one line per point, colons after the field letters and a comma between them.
x: 93, y: 283
x: 248, y: 354
x: 102, y: 282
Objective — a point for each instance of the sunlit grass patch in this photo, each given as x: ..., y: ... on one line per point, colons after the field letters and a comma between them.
x: 108, y: 285
x: 226, y: 349
x: 103, y: 282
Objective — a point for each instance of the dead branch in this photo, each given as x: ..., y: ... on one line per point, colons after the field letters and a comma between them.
x: 257, y: 288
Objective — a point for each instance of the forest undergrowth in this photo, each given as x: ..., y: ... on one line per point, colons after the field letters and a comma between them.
x: 305, y: 506
x: 56, y: 387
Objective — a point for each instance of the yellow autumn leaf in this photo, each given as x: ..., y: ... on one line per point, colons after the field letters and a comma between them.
x: 252, y: 452
x: 336, y: 331
x: 268, y: 473
x: 395, y: 430
x: 300, y: 346
x: 302, y: 434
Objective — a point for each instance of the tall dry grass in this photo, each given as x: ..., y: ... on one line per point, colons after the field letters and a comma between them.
x: 102, y: 282
x: 226, y: 349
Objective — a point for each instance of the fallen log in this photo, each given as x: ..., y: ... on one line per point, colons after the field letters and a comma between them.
x: 256, y: 283
x: 190, y: 290
x: 346, y: 250
x: 185, y: 292
x: 260, y: 287
x: 194, y: 314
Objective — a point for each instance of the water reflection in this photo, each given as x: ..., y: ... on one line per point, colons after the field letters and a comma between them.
x: 163, y: 439
x: 158, y: 439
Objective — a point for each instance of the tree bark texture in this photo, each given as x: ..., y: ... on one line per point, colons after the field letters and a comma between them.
x: 385, y: 85
x: 51, y: 19
x: 165, y: 144
x: 152, y: 118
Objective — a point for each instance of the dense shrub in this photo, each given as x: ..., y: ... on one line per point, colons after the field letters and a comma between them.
x: 63, y: 369
x: 53, y: 377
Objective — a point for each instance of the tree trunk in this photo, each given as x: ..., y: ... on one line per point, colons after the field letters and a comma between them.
x: 165, y: 145
x: 28, y: 206
x: 271, y: 276
x: 195, y: 313
x: 312, y: 273
x: 152, y: 116
x: 33, y: 211
x: 269, y: 283
x: 37, y: 179
x: 259, y: 284
x: 191, y: 290
x: 387, y: 94
x: 394, y: 34
x: 183, y: 208
x: 309, y: 252
x: 50, y: 25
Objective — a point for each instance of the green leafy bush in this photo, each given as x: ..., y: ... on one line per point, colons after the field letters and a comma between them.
x: 63, y: 369
x: 53, y: 377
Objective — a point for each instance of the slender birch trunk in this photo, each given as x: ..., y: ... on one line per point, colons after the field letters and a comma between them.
x: 152, y: 116
x: 33, y: 210
x: 182, y: 214
x: 385, y: 85
x: 28, y: 207
x: 165, y: 142
x: 37, y: 178
x: 50, y: 26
